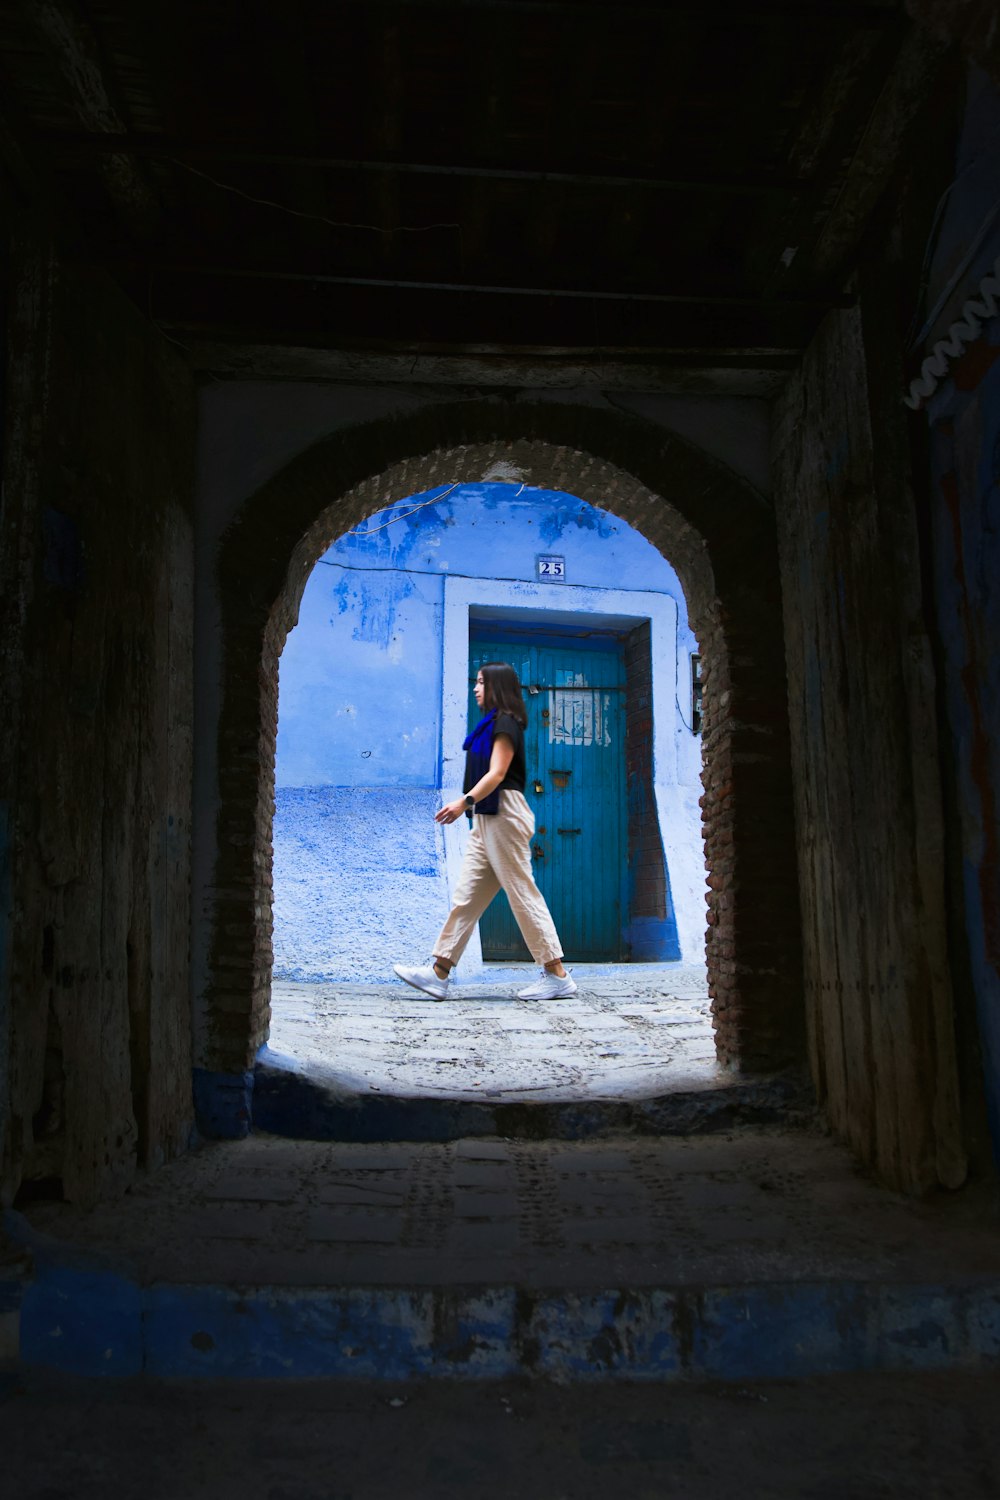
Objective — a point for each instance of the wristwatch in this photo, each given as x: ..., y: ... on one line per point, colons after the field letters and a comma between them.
x: 470, y: 802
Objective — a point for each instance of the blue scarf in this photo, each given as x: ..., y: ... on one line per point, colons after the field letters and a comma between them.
x: 478, y: 747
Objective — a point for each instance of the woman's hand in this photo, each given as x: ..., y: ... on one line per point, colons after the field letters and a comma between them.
x: 451, y: 811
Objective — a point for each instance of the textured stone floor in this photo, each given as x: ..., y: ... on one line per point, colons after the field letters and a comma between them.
x: 852, y: 1437
x: 756, y: 1205
x: 631, y: 1030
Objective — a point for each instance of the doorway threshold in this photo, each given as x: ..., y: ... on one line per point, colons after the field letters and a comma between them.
x: 632, y: 1051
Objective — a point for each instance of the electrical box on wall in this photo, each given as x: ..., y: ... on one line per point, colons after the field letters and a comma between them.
x: 695, y: 694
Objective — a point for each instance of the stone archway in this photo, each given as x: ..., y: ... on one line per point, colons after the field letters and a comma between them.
x: 718, y: 534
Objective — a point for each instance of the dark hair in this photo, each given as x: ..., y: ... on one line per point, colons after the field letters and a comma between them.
x: 502, y: 691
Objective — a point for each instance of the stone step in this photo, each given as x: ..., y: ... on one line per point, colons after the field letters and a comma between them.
x: 308, y: 1102
x: 757, y: 1253
x: 101, y: 1323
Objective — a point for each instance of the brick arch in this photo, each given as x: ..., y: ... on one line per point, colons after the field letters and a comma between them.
x: 718, y: 534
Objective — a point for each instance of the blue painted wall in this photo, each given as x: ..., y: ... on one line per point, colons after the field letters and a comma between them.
x: 360, y: 683
x: 965, y: 446
x: 360, y: 678
x: 359, y: 873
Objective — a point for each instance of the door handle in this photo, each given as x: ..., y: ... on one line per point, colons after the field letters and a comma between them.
x: 569, y: 830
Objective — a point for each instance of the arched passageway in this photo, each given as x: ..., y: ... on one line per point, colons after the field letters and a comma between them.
x: 375, y: 700
x: 719, y: 535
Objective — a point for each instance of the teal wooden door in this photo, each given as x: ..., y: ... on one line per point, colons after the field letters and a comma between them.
x: 574, y: 689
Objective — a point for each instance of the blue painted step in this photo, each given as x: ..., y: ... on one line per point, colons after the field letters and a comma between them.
x: 83, y: 1319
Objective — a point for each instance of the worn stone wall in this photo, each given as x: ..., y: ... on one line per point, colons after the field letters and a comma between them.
x: 891, y: 1003
x: 868, y: 802
x: 95, y: 679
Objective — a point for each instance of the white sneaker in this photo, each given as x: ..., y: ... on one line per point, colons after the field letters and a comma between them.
x: 423, y: 978
x: 549, y: 987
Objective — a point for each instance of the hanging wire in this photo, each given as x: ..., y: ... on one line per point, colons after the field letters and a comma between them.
x: 299, y: 213
x: 680, y: 714
x: 404, y: 513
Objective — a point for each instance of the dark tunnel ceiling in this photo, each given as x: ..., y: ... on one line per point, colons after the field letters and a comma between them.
x: 677, y: 183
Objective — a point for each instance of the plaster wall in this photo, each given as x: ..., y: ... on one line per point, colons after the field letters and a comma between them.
x: 374, y: 682
x: 249, y: 431
x: 360, y: 680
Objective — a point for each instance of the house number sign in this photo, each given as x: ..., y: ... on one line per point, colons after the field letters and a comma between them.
x: 550, y: 569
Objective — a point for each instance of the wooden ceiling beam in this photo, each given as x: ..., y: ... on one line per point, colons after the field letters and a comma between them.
x: 809, y: 12
x: 387, y: 124
x: 568, y: 102
x: 658, y: 84
x: 363, y: 311
x: 688, y: 372
x: 770, y: 306
x: 290, y: 94
x: 68, y: 149
x: 301, y: 311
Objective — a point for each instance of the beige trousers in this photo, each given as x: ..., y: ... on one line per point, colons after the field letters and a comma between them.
x: 498, y: 856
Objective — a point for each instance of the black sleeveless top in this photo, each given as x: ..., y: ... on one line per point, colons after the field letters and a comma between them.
x: 517, y: 772
x: 477, y: 760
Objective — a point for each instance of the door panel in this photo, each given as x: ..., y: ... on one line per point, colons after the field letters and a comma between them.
x: 574, y: 689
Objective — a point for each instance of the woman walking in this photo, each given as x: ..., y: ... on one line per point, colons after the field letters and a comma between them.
x: 498, y: 855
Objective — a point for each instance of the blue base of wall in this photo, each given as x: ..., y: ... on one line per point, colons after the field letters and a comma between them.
x: 652, y: 939
x: 359, y: 880
x: 222, y: 1104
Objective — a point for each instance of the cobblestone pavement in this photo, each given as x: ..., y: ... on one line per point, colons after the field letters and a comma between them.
x: 631, y: 1030
x: 754, y: 1205
x: 853, y: 1437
